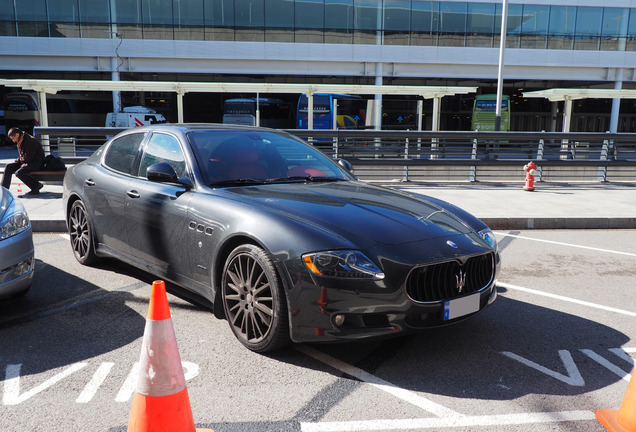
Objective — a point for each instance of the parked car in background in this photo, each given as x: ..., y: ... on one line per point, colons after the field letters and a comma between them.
x: 134, y: 116
x: 17, y: 260
x: 281, y: 240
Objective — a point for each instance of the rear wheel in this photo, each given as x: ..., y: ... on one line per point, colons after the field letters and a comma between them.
x: 81, y: 233
x: 254, y: 300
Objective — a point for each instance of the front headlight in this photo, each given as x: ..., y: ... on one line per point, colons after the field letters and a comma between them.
x: 14, y: 220
x: 489, y: 237
x: 342, y: 264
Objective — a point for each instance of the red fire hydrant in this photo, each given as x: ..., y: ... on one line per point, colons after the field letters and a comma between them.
x: 530, y: 169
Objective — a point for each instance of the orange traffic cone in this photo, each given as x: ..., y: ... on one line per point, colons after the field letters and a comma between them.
x: 623, y: 419
x: 160, y: 401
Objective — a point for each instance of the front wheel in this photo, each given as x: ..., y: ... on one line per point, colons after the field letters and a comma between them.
x: 81, y: 233
x: 254, y: 300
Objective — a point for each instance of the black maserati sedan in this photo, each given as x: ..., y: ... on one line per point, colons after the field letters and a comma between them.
x: 278, y: 238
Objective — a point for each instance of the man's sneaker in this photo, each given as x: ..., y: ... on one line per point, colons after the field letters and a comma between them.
x: 32, y: 192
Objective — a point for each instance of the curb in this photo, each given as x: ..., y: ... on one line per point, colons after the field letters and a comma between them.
x: 561, y: 223
x: 53, y: 226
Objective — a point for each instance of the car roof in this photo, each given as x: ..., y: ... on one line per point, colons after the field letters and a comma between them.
x: 189, y: 127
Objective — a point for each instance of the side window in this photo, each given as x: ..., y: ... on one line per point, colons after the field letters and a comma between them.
x: 122, y: 152
x: 163, y: 148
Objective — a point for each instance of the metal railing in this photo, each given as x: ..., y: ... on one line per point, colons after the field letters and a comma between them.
x: 481, y: 156
x: 435, y: 156
x: 73, y: 144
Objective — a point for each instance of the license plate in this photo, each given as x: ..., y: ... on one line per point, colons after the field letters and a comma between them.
x: 461, y: 306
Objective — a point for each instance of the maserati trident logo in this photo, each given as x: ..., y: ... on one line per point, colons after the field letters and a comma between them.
x: 461, y: 281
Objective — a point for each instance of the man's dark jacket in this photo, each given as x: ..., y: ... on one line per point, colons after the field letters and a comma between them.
x: 31, y: 153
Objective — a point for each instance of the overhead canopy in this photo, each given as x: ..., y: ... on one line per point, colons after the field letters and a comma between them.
x: 53, y: 86
x: 44, y: 86
x: 561, y: 94
x: 568, y: 95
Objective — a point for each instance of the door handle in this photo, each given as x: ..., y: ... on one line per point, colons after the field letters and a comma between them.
x: 89, y: 182
x: 133, y: 194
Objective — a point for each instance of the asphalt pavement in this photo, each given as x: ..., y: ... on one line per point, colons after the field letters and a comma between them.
x: 500, y: 206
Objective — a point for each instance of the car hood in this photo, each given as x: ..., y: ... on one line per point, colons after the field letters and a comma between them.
x: 380, y: 214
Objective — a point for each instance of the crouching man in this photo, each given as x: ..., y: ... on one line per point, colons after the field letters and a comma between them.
x: 31, y: 158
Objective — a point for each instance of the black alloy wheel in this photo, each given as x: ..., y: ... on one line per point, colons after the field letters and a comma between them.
x: 254, y: 301
x: 81, y: 233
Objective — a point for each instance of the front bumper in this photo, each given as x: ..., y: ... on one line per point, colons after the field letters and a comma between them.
x: 17, y: 263
x: 357, y: 310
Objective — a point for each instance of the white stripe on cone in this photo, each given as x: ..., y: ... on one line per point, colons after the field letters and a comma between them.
x: 160, y: 369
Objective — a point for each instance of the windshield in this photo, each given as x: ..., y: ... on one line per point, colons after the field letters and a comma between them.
x: 19, y: 103
x: 239, y: 107
x: 490, y: 105
x: 245, y: 157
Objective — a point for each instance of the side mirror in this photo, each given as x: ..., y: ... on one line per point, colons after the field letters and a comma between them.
x: 163, y: 172
x: 345, y: 164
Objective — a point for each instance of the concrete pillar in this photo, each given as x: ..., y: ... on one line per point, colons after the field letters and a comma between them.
x: 437, y: 103
x: 310, y: 111
x: 378, y: 97
x: 618, y: 80
x: 554, y: 110
x: 567, y: 114
x: 616, y: 102
x: 179, y: 107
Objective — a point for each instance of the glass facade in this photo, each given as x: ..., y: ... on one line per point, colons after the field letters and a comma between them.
x: 387, y: 22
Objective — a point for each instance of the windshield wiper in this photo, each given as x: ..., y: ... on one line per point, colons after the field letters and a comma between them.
x: 304, y: 179
x: 293, y: 179
x: 239, y: 182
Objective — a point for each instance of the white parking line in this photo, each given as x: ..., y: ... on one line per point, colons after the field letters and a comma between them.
x: 98, y: 379
x: 567, y: 244
x: 607, y: 364
x: 624, y: 354
x: 445, y: 417
x: 405, y: 395
x: 438, y: 423
x: 566, y: 299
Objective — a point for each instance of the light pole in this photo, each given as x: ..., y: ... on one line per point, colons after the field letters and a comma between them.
x: 115, y: 63
x: 502, y: 46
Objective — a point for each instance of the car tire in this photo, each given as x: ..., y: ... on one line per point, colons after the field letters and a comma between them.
x: 254, y: 300
x: 81, y: 232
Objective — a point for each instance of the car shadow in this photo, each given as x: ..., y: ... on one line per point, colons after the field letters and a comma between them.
x: 46, y: 195
x: 65, y: 319
x: 510, y: 350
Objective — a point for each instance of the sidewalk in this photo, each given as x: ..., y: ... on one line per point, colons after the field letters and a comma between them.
x: 500, y: 207
x: 550, y: 206
x: 45, y: 210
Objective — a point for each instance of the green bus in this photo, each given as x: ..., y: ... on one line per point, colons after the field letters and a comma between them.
x: 484, y: 113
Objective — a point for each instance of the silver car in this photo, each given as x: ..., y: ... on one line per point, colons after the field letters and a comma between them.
x: 17, y: 260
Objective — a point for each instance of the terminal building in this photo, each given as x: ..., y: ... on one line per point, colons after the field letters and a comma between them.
x: 549, y: 44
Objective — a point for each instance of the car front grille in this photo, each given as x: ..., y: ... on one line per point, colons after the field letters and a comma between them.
x: 450, y: 279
